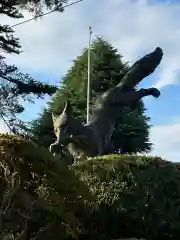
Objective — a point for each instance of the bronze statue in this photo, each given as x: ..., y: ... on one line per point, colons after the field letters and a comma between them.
x: 92, y: 139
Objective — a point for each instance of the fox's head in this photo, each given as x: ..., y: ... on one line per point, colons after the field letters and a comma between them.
x: 62, y: 122
x: 65, y: 125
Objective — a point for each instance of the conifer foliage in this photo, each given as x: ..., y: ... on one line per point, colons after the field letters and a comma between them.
x: 14, y: 85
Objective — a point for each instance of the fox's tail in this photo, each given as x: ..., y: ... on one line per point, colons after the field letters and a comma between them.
x: 141, y: 69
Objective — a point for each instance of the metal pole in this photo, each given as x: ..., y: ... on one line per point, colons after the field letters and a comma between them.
x: 89, y: 75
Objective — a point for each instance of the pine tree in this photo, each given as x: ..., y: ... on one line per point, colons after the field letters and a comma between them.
x: 15, y: 85
x: 35, y: 6
x: 131, y: 134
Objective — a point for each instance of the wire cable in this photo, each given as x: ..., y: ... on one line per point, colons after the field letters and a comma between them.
x: 28, y: 20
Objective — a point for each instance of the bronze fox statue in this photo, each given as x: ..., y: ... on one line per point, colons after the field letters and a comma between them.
x: 92, y: 139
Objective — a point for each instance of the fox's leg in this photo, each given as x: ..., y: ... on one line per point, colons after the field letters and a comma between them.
x: 149, y: 92
x: 143, y: 93
x: 134, y: 97
x: 127, y: 98
x: 55, y: 148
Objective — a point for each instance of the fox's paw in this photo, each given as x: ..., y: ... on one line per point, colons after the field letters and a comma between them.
x: 155, y: 92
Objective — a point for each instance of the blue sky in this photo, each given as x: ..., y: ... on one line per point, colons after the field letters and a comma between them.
x: 134, y: 27
x: 165, y: 109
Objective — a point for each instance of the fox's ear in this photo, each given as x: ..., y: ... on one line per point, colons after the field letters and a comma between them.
x: 54, y: 117
x: 68, y: 108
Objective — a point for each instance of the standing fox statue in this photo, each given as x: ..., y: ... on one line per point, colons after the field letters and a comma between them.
x: 93, y: 138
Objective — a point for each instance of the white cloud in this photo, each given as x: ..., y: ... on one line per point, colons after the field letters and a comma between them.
x: 134, y: 27
x: 166, y: 140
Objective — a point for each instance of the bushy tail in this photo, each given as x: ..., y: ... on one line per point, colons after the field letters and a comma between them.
x: 141, y: 69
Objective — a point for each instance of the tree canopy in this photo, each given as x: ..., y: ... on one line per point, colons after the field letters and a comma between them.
x: 35, y: 6
x: 14, y: 85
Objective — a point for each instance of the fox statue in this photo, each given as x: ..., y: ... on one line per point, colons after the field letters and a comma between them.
x: 93, y: 138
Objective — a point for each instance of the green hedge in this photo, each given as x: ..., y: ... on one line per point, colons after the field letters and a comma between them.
x: 39, y: 195
x: 109, y: 197
x: 135, y: 196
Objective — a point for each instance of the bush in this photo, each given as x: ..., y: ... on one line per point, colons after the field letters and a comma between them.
x: 109, y: 197
x: 135, y: 197
x: 39, y: 195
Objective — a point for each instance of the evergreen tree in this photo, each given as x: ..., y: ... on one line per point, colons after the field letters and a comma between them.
x: 131, y: 134
x: 15, y: 85
x: 35, y: 6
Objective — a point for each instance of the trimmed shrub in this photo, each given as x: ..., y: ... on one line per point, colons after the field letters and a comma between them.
x: 109, y: 197
x: 39, y: 194
x: 135, y: 196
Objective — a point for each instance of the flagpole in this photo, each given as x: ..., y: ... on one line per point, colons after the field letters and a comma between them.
x: 89, y: 75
